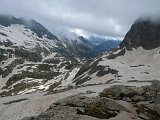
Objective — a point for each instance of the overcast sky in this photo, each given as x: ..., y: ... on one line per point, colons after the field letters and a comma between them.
x: 101, y: 17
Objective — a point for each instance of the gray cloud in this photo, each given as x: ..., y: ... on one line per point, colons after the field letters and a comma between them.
x: 102, y: 17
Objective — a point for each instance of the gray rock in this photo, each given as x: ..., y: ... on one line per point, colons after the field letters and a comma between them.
x: 1, y: 71
x: 119, y: 91
x: 5, y: 73
x: 127, y: 99
x: 89, y: 92
x: 144, y: 33
x: 83, y: 101
x: 7, y: 43
x: 80, y: 107
x: 9, y: 68
x: 138, y: 98
x: 157, y: 103
x: 155, y: 85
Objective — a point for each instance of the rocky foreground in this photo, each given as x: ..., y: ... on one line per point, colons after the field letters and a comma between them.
x: 115, y: 103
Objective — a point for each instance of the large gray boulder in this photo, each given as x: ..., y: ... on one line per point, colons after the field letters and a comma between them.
x: 121, y: 92
x: 79, y: 107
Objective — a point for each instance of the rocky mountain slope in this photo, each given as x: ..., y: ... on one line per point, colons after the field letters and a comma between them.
x: 33, y: 59
x: 144, y: 33
x: 102, y: 44
x: 115, y: 103
x: 20, y: 106
x: 135, y: 59
x: 130, y: 75
x: 122, y: 84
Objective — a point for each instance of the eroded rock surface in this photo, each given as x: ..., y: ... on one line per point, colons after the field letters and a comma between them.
x: 115, y: 103
x: 80, y: 107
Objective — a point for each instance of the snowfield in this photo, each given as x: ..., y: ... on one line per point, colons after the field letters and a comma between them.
x: 21, y: 36
x: 136, y: 65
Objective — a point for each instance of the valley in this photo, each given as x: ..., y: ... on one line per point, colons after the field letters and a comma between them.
x: 45, y: 77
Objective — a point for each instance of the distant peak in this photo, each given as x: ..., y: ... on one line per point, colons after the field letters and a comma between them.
x: 40, y: 30
x: 145, y: 32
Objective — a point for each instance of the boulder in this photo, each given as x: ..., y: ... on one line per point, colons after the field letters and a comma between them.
x: 89, y: 92
x: 155, y: 85
x: 119, y: 91
x: 79, y: 107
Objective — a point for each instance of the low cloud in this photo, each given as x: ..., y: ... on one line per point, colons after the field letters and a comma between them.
x: 101, y: 17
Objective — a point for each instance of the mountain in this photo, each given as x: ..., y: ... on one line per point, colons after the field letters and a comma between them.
x: 144, y: 33
x: 103, y: 44
x: 135, y: 59
x: 87, y: 48
x: 80, y: 47
x: 73, y: 44
x: 121, y: 84
x: 30, y: 24
x: 32, y: 58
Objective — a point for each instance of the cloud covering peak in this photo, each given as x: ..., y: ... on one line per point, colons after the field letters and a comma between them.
x: 101, y: 17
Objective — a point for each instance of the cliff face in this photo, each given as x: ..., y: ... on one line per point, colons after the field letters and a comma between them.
x: 144, y: 33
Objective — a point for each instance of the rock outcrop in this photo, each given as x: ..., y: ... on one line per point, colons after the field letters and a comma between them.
x: 145, y: 99
x: 144, y: 33
x: 116, y: 103
x: 80, y: 107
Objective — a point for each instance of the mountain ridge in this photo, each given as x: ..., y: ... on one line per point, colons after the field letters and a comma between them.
x: 122, y: 83
x: 144, y: 33
x: 31, y: 24
x: 134, y: 54
x: 33, y: 60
